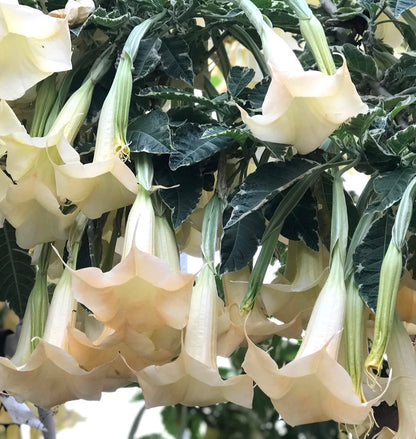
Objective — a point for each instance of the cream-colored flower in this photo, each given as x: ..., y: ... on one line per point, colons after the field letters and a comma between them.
x: 96, y: 187
x: 50, y: 375
x: 125, y: 349
x: 32, y: 209
x: 141, y: 292
x: 301, y: 108
x: 402, y: 361
x: 76, y: 12
x: 313, y: 387
x: 295, y: 293
x: 32, y: 47
x: 31, y: 205
x: 406, y: 298
x: 30, y: 162
x: 193, y: 378
x: 107, y: 183
x: 257, y: 326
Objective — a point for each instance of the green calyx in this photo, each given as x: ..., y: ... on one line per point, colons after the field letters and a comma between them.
x: 314, y: 35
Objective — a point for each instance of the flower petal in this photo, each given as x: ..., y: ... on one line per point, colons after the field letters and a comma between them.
x: 42, y: 42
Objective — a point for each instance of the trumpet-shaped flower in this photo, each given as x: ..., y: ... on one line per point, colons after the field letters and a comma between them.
x: 42, y: 43
x: 402, y: 361
x: 258, y: 327
x: 96, y: 187
x: 193, y: 378
x: 141, y: 292
x: 89, y: 185
x: 313, y: 387
x: 32, y: 209
x: 301, y: 108
x: 31, y: 205
x: 50, y: 375
x: 296, y: 292
x: 125, y: 349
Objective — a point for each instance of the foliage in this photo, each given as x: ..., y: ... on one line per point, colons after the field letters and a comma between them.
x: 184, y: 114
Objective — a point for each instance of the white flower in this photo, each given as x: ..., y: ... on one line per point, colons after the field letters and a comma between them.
x: 32, y: 47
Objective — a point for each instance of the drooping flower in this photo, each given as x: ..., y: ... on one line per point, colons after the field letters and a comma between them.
x: 301, y: 108
x: 31, y: 204
x: 313, y: 387
x: 49, y: 375
x: 257, y: 326
x: 107, y: 183
x: 141, y: 292
x: 193, y: 378
x: 42, y: 43
x: 295, y: 293
x: 31, y: 160
x: 402, y: 361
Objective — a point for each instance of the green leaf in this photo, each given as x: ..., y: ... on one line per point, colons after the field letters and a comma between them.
x: 368, y: 258
x: 170, y: 416
x: 110, y: 20
x: 403, y: 140
x: 175, y: 59
x: 175, y: 94
x: 256, y: 96
x: 399, y: 6
x: 302, y: 223
x: 390, y: 187
x: 147, y: 57
x: 150, y: 133
x: 238, y: 79
x: 358, y: 61
x: 264, y: 184
x: 17, y: 275
x: 190, y: 147
x: 239, y: 243
x: 397, y: 104
x: 359, y: 124
x: 185, y: 189
x: 239, y: 135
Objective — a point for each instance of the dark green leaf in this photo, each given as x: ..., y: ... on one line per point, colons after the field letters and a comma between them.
x: 359, y: 124
x: 239, y: 135
x: 399, y: 6
x: 147, y: 57
x: 175, y: 60
x: 191, y: 148
x: 110, y: 20
x: 368, y: 258
x: 185, y: 188
x: 403, y: 140
x: 239, y: 242
x: 302, y: 223
x: 262, y: 185
x: 390, y: 187
x: 150, y: 133
x: 238, y: 78
x: 397, y: 104
x: 176, y: 94
x: 17, y: 275
x: 256, y: 96
x: 359, y: 62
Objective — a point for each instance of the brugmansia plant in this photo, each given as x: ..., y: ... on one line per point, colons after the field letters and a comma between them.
x: 275, y: 141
